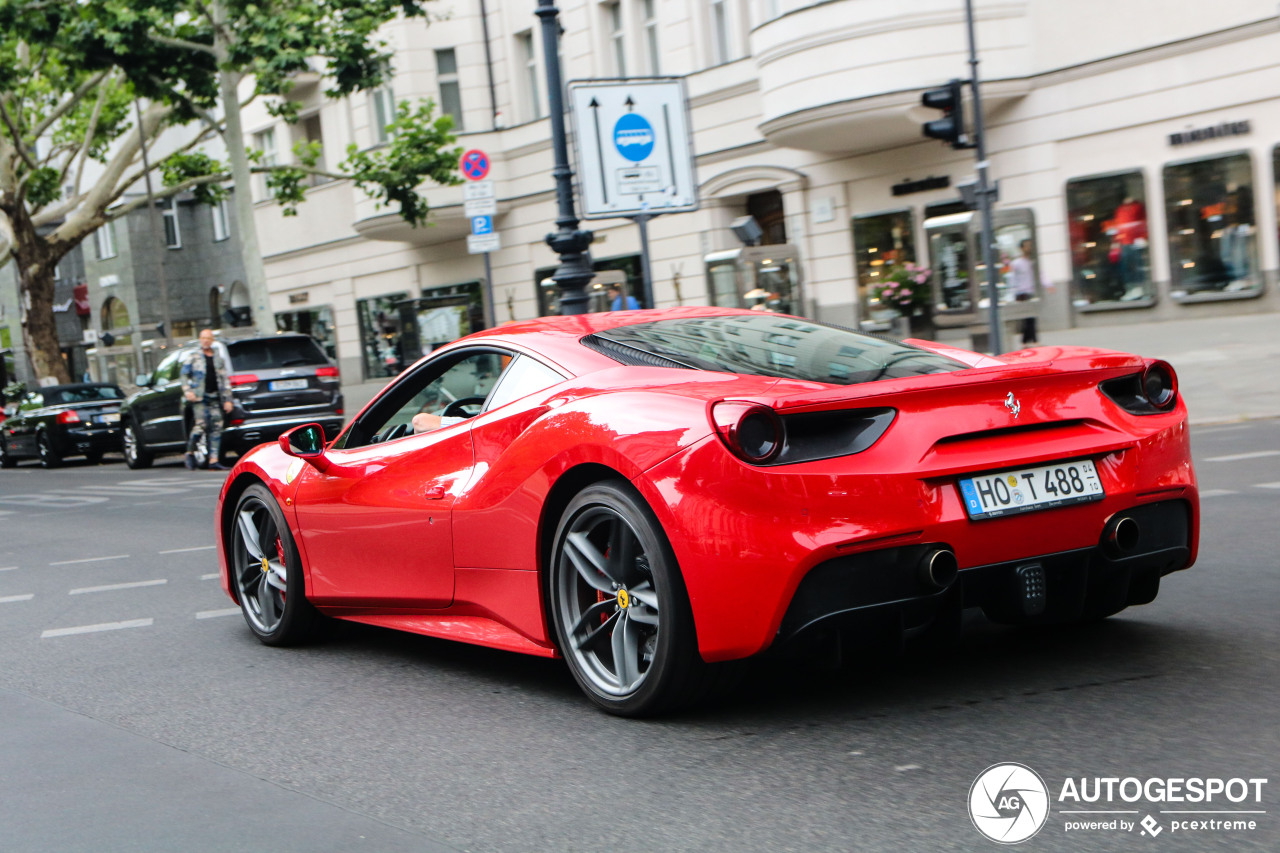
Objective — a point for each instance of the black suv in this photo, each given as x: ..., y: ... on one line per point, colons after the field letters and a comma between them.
x: 277, y: 382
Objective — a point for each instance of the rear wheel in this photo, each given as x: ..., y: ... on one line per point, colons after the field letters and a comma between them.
x: 6, y: 461
x: 619, y: 606
x: 136, y: 454
x: 266, y: 571
x: 49, y: 457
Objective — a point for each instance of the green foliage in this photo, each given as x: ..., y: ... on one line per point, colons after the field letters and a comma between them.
x: 418, y: 151
x: 13, y: 392
x: 178, y: 168
x: 43, y: 186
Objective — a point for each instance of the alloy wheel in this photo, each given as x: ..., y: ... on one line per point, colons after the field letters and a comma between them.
x: 607, y: 601
x: 260, y: 566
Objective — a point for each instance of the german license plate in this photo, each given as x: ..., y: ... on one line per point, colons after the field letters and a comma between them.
x: 287, y: 384
x: 1028, y: 489
x: 113, y: 418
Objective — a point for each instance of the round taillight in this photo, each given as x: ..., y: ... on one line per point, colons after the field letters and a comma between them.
x: 1160, y: 385
x: 753, y: 433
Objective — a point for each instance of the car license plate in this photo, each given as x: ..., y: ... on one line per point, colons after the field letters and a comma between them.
x: 1028, y: 489
x: 287, y: 384
x: 113, y: 418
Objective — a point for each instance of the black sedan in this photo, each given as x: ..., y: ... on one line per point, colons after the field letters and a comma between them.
x: 63, y: 420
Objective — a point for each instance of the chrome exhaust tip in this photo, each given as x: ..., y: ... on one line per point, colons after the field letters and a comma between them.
x: 1120, y: 536
x: 938, y: 568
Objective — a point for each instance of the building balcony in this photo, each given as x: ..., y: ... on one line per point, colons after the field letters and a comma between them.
x: 845, y: 76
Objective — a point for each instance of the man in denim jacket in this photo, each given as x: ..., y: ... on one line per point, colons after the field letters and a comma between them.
x: 205, y: 385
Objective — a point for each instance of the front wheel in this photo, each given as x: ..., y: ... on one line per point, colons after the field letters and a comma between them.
x: 619, y: 605
x: 135, y: 452
x: 266, y: 571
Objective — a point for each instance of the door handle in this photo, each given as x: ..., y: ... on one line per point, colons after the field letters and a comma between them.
x: 434, y: 493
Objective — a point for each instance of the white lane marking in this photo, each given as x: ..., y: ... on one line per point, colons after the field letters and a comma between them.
x: 7, y: 598
x: 93, y: 629
x: 214, y: 614
x: 1236, y: 457
x: 7, y: 511
x: 1266, y: 485
x: 90, y: 560
x: 1217, y: 493
x: 906, y: 768
x: 112, y: 587
x: 7, y: 568
x: 212, y: 576
x: 185, y: 550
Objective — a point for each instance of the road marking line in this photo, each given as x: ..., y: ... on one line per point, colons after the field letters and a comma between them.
x: 212, y: 576
x: 111, y: 587
x: 1266, y: 485
x: 7, y: 598
x: 8, y: 568
x: 90, y: 560
x: 1236, y: 457
x: 1217, y: 493
x: 92, y: 629
x: 185, y: 550
x: 906, y: 768
x: 214, y: 614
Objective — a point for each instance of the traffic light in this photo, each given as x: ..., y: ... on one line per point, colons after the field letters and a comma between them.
x: 949, y: 128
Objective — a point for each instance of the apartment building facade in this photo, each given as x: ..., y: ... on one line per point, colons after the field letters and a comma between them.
x: 1135, y: 146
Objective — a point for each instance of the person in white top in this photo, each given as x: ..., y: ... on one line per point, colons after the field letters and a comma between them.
x: 1022, y: 280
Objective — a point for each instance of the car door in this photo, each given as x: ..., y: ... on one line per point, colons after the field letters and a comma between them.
x: 159, y: 407
x: 377, y: 525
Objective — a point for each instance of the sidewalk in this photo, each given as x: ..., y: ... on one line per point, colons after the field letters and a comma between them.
x: 1228, y: 367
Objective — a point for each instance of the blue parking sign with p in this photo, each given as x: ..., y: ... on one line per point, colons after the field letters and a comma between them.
x: 482, y: 225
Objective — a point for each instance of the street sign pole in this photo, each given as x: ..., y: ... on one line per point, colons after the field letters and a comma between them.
x: 646, y: 272
x: 985, y: 192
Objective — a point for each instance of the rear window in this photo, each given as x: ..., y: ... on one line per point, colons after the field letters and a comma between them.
x: 87, y: 394
x: 268, y: 353
x: 768, y: 345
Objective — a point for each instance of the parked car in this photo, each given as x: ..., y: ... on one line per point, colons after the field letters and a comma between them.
x: 652, y: 494
x: 58, y: 421
x: 277, y: 383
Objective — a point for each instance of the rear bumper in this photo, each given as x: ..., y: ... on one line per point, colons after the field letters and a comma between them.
x: 251, y: 433
x: 77, y: 441
x: 1064, y: 586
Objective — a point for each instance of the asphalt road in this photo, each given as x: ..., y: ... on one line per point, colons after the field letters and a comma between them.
x: 171, y: 728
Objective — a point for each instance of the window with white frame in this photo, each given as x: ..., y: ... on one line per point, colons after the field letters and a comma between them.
x: 447, y: 83
x: 221, y: 225
x: 617, y: 31
x: 172, y: 233
x: 529, y: 62
x: 265, y: 141
x: 649, y: 7
x: 383, y: 101
x: 104, y: 240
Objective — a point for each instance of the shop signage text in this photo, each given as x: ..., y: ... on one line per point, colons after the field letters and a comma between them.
x: 1202, y: 134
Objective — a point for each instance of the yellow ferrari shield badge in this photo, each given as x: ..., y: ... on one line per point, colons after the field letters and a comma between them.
x: 624, y: 599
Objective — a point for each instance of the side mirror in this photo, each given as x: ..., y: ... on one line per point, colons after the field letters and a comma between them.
x: 143, y: 380
x: 306, y: 442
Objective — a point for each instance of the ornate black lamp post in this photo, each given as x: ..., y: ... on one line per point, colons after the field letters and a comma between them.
x: 568, y: 241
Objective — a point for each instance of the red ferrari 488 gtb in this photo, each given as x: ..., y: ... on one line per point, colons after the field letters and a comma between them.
x: 651, y: 494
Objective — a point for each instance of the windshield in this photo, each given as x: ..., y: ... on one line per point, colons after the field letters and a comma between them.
x: 268, y: 353
x: 773, y: 345
x: 82, y: 394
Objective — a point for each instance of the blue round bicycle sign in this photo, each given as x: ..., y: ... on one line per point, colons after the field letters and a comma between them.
x: 633, y: 137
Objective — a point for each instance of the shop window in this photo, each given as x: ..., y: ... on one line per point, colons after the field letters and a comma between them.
x: 549, y: 294
x: 1213, y: 250
x: 1107, y: 226
x: 381, y: 346
x: 441, y: 315
x: 882, y: 242
x: 316, y: 322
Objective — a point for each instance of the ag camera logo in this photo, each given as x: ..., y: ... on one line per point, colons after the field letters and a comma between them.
x: 1008, y: 803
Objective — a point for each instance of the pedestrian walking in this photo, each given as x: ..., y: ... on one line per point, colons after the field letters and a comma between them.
x: 1022, y: 274
x: 617, y: 303
x: 206, y: 386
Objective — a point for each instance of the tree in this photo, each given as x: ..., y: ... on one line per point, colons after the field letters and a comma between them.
x: 70, y: 148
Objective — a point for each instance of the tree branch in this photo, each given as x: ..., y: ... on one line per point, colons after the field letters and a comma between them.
x: 64, y: 107
x: 171, y: 41
x: 90, y: 132
x: 16, y: 136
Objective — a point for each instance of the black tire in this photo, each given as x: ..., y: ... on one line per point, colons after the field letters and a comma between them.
x: 136, y: 454
x: 93, y: 457
x: 49, y: 457
x: 610, y: 566
x: 260, y: 549
x: 6, y: 461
